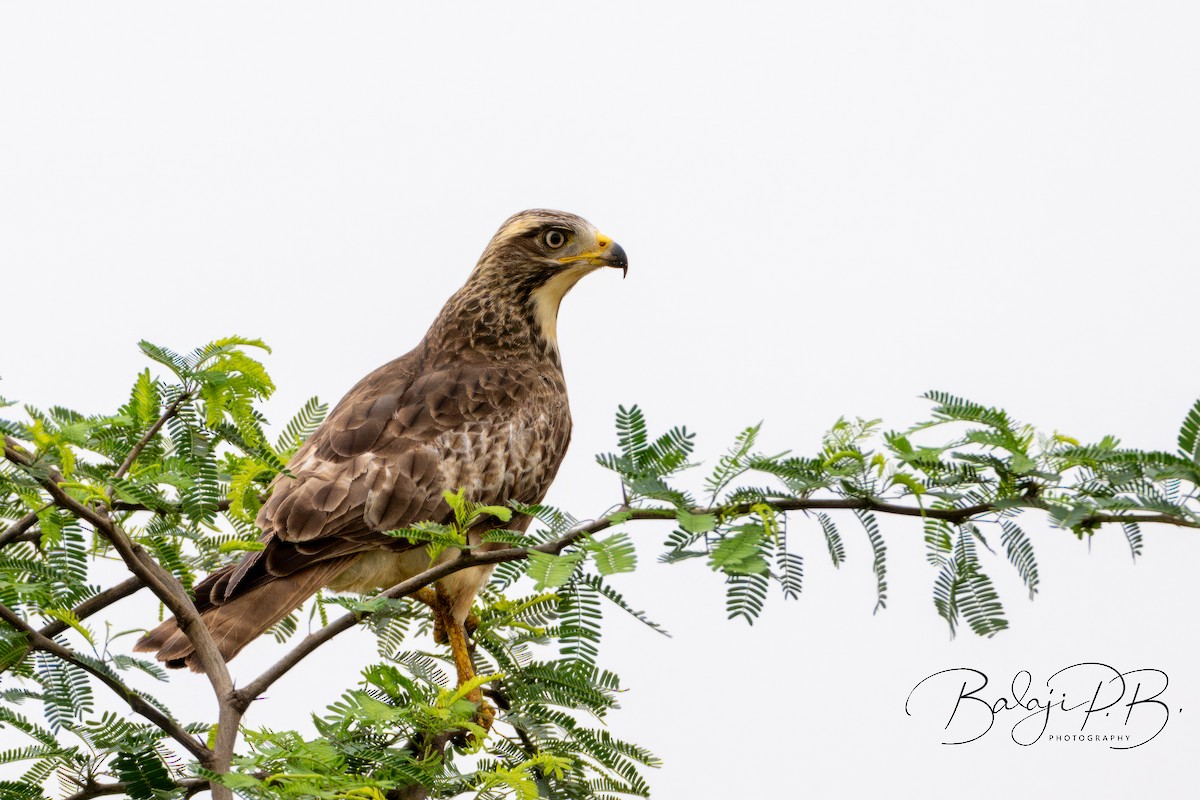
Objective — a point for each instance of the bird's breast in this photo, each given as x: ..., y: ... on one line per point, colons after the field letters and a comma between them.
x: 513, y: 457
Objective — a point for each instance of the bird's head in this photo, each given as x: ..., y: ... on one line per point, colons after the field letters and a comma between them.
x: 538, y: 255
x: 545, y: 245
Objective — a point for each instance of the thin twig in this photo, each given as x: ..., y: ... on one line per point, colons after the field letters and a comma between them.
x: 169, y: 412
x: 15, y: 532
x: 135, y: 701
x: 95, y: 604
x: 1142, y: 519
x: 167, y: 508
x: 498, y: 696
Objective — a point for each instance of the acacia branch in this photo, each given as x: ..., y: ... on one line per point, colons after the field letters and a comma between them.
x: 955, y: 516
x: 92, y: 789
x: 135, y: 701
x: 169, y: 412
x: 16, y: 531
x: 468, y: 559
x: 162, y: 583
x: 1140, y: 519
x: 95, y: 604
x: 168, y: 589
x: 125, y: 505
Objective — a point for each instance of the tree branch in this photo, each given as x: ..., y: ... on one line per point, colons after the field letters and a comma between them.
x: 92, y: 789
x: 124, y: 505
x: 135, y: 701
x: 161, y: 582
x: 1142, y: 519
x: 956, y: 516
x: 16, y: 531
x: 150, y: 433
x: 95, y: 604
x: 314, y: 640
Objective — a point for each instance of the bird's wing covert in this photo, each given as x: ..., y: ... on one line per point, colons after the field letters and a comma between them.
x: 377, y: 463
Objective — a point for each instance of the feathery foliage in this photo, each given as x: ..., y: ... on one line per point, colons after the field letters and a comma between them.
x: 181, y: 468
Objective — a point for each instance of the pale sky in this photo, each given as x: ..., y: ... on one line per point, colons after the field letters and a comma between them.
x: 829, y: 209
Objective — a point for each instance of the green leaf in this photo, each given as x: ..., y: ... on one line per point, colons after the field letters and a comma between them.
x: 614, y: 554
x: 740, y: 554
x: 499, y: 512
x: 144, y: 775
x: 879, y: 549
x: 695, y: 523
x: 69, y: 617
x: 1189, y: 434
x: 241, y: 545
x: 745, y: 596
x: 833, y: 540
x: 550, y: 571
x: 1020, y: 553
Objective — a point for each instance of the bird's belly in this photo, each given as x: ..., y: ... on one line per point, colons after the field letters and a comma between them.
x: 382, y: 569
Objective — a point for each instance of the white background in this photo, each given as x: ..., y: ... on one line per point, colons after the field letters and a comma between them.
x: 829, y: 209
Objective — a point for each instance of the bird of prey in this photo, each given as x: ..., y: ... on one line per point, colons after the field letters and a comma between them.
x: 480, y: 404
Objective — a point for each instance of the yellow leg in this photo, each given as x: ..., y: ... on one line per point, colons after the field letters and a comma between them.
x: 460, y: 648
x: 429, y: 597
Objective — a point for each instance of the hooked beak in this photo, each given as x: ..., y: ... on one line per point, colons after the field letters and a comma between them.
x: 607, y: 254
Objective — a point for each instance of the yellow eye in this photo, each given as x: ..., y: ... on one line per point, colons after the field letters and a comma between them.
x: 554, y: 239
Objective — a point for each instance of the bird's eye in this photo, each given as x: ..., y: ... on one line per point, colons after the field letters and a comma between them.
x: 554, y: 239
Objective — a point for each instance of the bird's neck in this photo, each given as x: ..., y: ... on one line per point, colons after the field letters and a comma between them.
x: 513, y: 321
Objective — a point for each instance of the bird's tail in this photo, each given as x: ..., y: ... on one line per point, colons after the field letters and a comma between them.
x: 242, y: 618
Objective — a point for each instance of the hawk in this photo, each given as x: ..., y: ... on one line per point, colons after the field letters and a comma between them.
x: 480, y: 404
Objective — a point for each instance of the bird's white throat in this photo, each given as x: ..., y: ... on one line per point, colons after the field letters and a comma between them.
x: 548, y: 297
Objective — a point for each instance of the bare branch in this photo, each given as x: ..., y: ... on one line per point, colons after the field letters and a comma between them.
x: 135, y: 701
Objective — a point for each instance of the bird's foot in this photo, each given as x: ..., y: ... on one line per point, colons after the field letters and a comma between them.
x: 439, y: 630
x: 429, y: 597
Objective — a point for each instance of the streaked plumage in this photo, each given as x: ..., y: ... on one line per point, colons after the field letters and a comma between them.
x: 479, y: 404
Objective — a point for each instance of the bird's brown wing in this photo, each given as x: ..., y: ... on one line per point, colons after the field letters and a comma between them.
x: 381, y: 461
